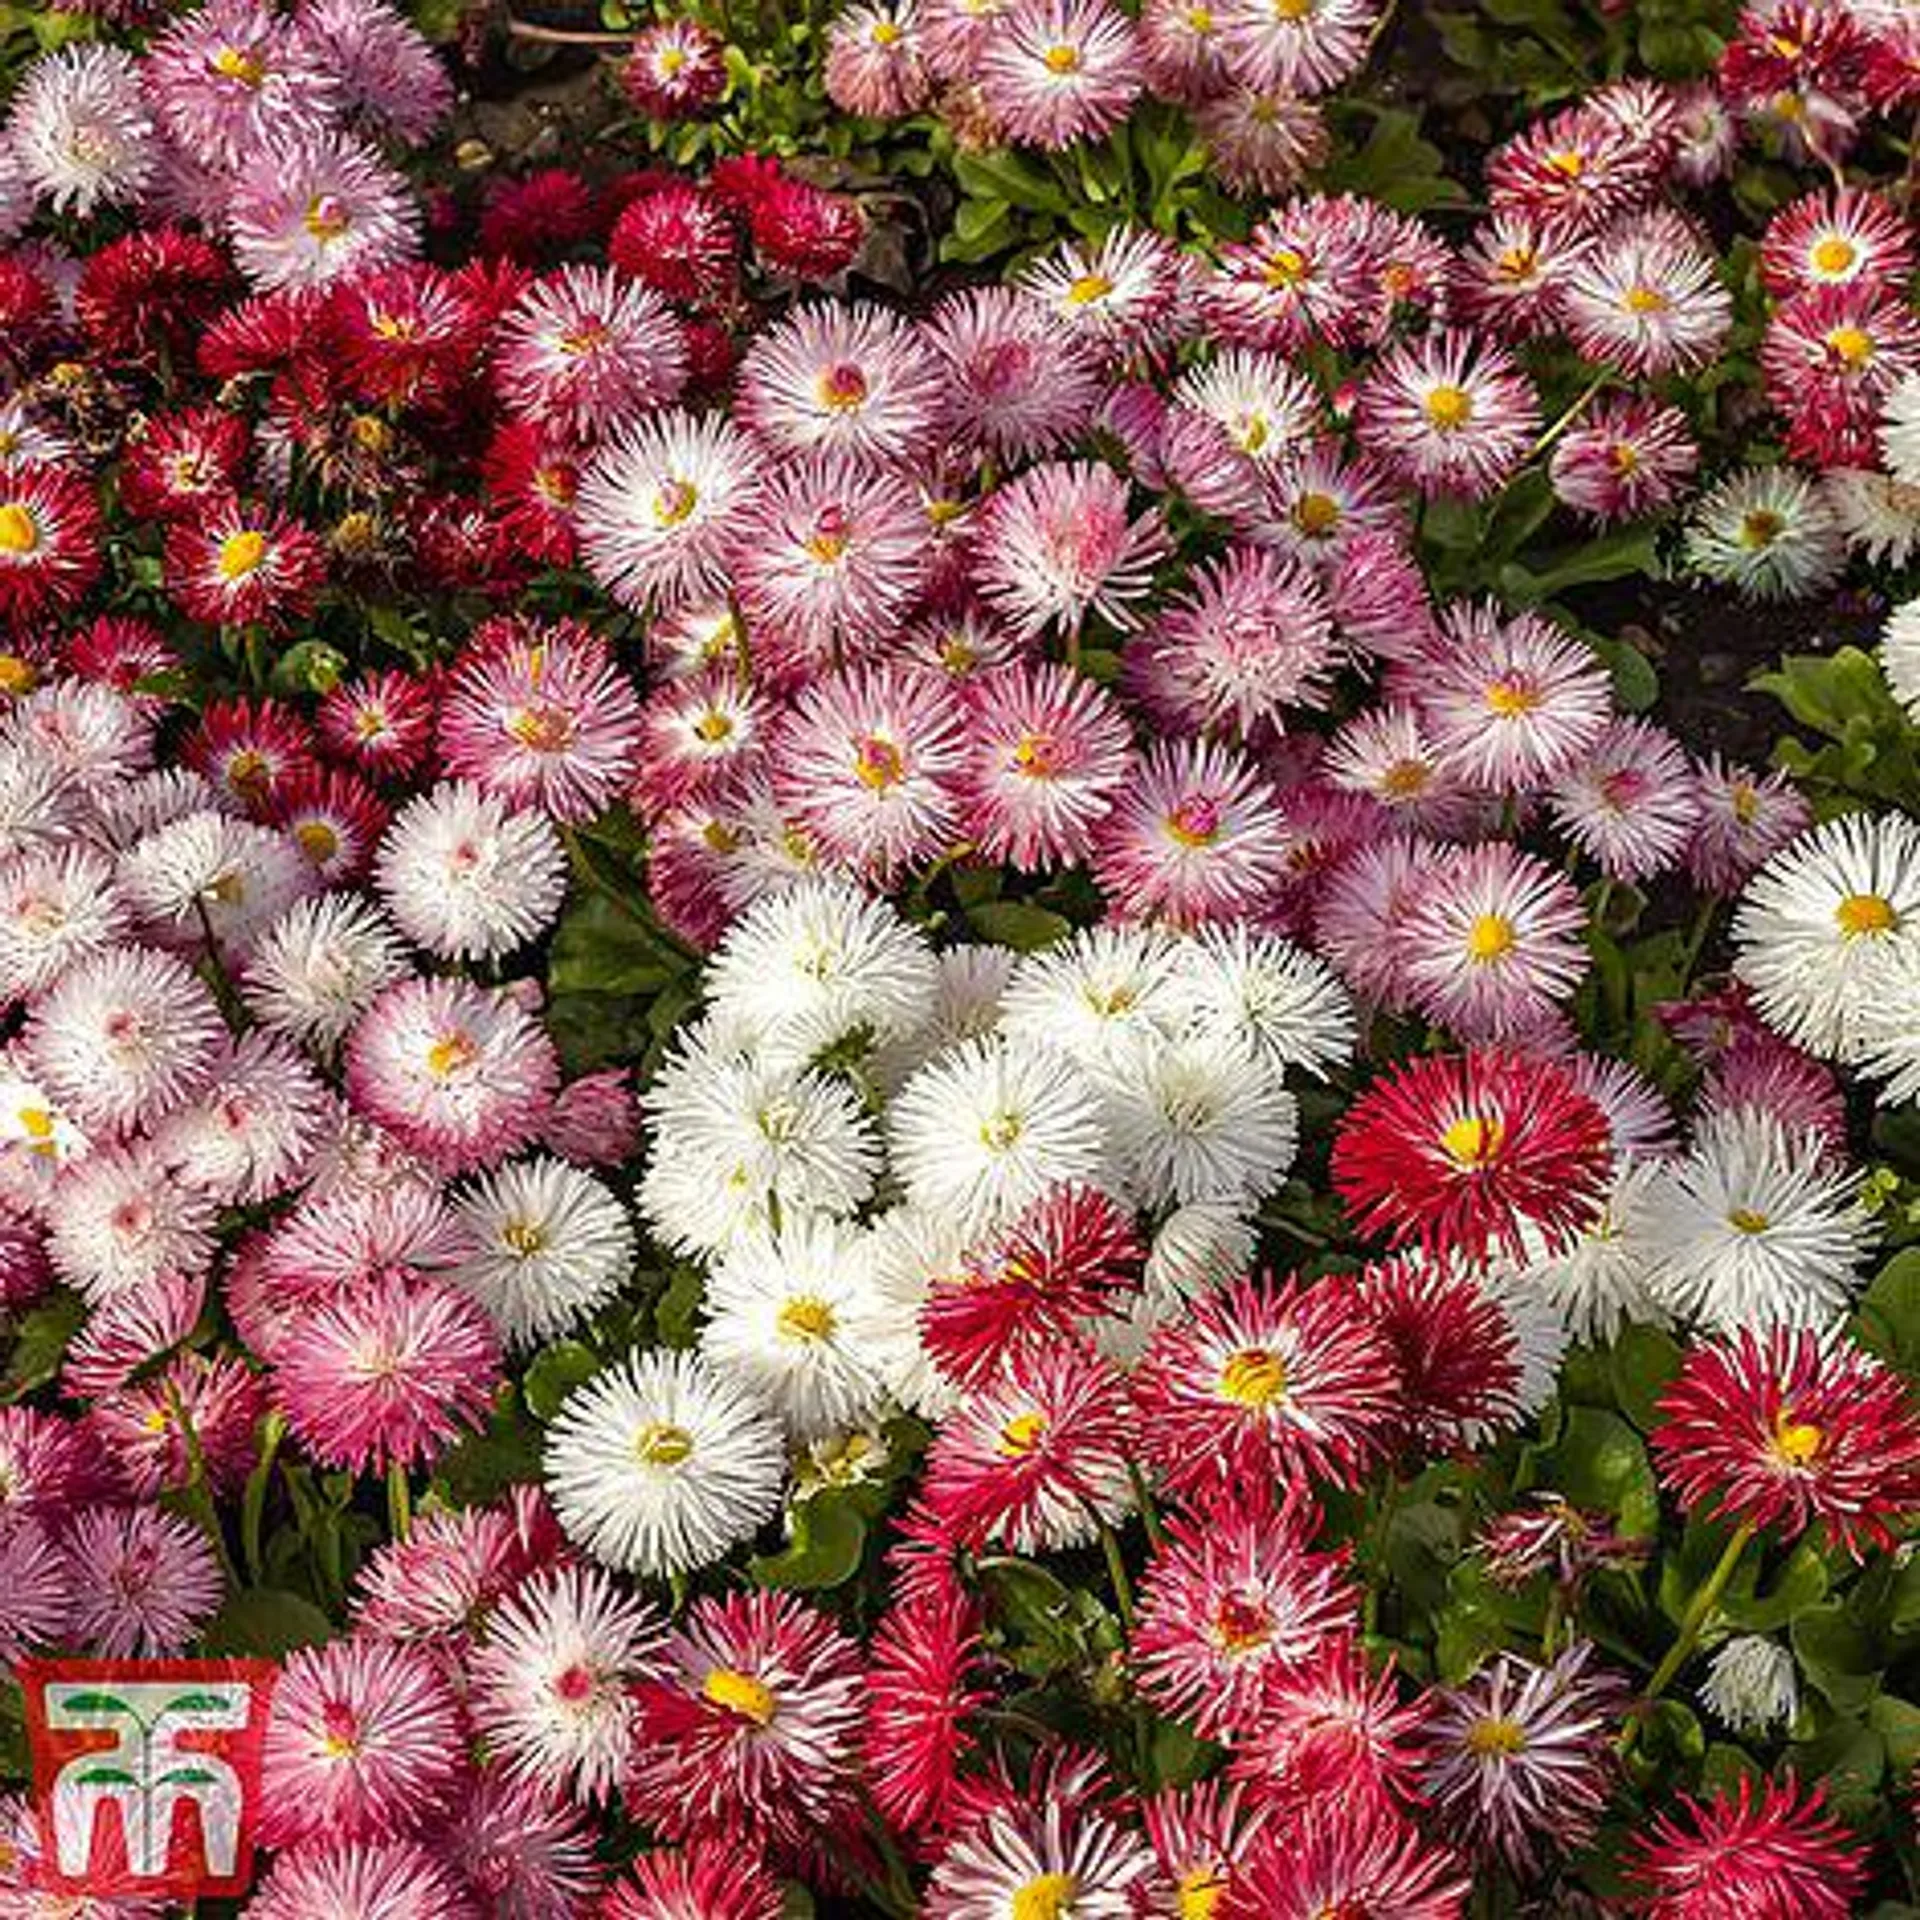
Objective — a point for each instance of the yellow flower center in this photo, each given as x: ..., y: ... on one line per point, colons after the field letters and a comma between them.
x: 879, y: 764
x: 1796, y: 1443
x: 1865, y: 913
x: 317, y: 841
x: 1623, y: 459
x: 1747, y: 1220
x: 805, y: 1317
x: 17, y: 675
x: 713, y: 727
x: 327, y: 217
x: 1851, y: 346
x: 1570, y: 163
x: 661, y: 1444
x: 235, y: 63
x: 19, y: 530
x: 1316, y: 514
x: 1241, y: 1626
x: 1050, y: 1897
x: 1001, y: 1131
x: 240, y: 553
x: 524, y: 1237
x: 1285, y: 267
x: 1495, y: 1736
x: 590, y: 336
x: 670, y: 60
x: 449, y: 1054
x: 1473, y: 1140
x: 1199, y: 1894
x: 1510, y: 698
x: 1254, y: 1377
x: 1491, y: 937
x: 886, y: 34
x: 1061, y: 59
x: 1200, y: 19
x: 1645, y: 300
x: 1034, y: 754
x: 543, y: 729
x: 1088, y: 288
x: 842, y: 389
x: 674, y: 502
x: 740, y: 1693
x: 1022, y: 1434
x: 1834, y: 255
x: 155, y: 1420
x: 1761, y: 528
x: 1294, y: 9
x: 1449, y: 408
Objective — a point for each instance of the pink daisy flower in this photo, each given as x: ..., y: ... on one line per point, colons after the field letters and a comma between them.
x: 1266, y: 1381
x: 678, y: 68
x: 389, y: 1377
x: 1495, y: 942
x: 319, y: 209
x: 143, y: 1582
x: 1630, y: 805
x: 1831, y: 357
x: 586, y: 350
x: 1197, y: 836
x: 1512, y: 275
x: 849, y: 379
x: 1301, y: 49
x: 703, y: 1880
x: 1327, y: 508
x: 1384, y: 752
x: 1647, y: 298
x: 868, y: 763
x: 363, y: 1742
x: 1234, y: 1592
x: 457, y: 1074
x: 1836, y: 237
x: 35, y: 1579
x: 1181, y: 58
x: 228, y: 78
x: 1124, y: 293
x: 48, y: 1466
x: 1261, y: 141
x: 1629, y: 456
x: 1578, y: 169
x: 117, y: 1219
x: 396, y: 1879
x: 1324, y: 1860
x: 392, y: 78
x: 1018, y: 387
x: 520, y: 1852
x: 1448, y: 413
x: 1300, y: 278
x: 1053, y: 72
x: 1055, y: 546
x: 1744, y: 818
x: 1028, y: 1849
x: 873, y: 66
x: 449, y: 1573
x: 755, y: 1730
x: 1047, y: 755
x: 143, y: 1422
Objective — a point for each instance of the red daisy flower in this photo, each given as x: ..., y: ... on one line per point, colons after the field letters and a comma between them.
x: 712, y: 1878
x: 1774, y: 1854
x: 408, y: 336
x: 1787, y: 47
x: 1328, y: 1861
x: 1785, y: 1431
x: 336, y: 818
x: 381, y: 722
x: 178, y: 463
x: 254, y: 749
x: 1071, y: 1257
x: 1456, y: 1152
x: 925, y: 1656
x: 681, y: 242
x: 533, y: 477
x: 151, y: 294
x: 49, y: 541
x: 1267, y: 1382
x: 239, y: 565
x: 264, y: 334
x: 539, y: 219
x: 120, y: 650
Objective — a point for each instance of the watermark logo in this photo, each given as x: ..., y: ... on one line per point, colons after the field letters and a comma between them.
x: 146, y: 1773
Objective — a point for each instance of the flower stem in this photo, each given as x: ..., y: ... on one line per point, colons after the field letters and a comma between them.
x: 1572, y: 414
x: 1149, y: 1512
x: 1117, y: 1574
x: 399, y: 1501
x: 1699, y: 1611
x: 198, y: 1492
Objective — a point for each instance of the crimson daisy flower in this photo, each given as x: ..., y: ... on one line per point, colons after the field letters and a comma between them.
x: 49, y: 541
x: 1788, y: 1431
x: 926, y: 1658
x: 1327, y: 1861
x: 235, y: 565
x: 1264, y: 1381
x: 177, y: 463
x: 1771, y: 1854
x: 712, y: 1878
x: 1457, y: 1152
x: 1071, y: 1257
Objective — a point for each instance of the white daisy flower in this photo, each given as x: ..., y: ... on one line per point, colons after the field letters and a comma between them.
x: 1540, y: 1343
x: 661, y: 1466
x: 1097, y: 994
x: 254, y: 1132
x: 1598, y: 1283
x: 1829, y: 929
x: 209, y: 872
x: 970, y: 989
x: 552, y: 1682
x: 1285, y: 1003
x: 39, y: 804
x: 1879, y: 517
x: 467, y: 877
x: 1900, y: 655
x: 57, y: 906
x: 37, y: 1138
x: 320, y: 966
x: 1768, y: 532
x: 1900, y: 431
x: 1890, y: 1043
x: 1198, y: 1248
x: 1201, y: 1117
x: 984, y: 1131
x: 79, y: 129
x: 550, y: 1244
x: 796, y: 1316
x: 118, y: 1220
x: 1751, y: 1686
x: 909, y: 1253
x: 818, y: 963
x: 1754, y: 1227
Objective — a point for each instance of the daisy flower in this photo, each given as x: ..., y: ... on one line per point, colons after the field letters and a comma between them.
x: 79, y: 129
x: 380, y: 722
x: 1755, y: 1227
x: 873, y: 66
x: 1261, y: 141
x: 1751, y: 1686
x: 465, y: 877
x: 1197, y: 837
x: 207, y: 874
x: 1284, y: 1003
x: 1459, y: 1352
x: 1323, y: 1861
x: 1900, y: 431
x: 1830, y: 928
x: 1768, y: 532
x: 228, y: 78
x: 550, y: 1244
x: 662, y: 1465
x: 237, y: 566
x: 1493, y: 942
x: 1047, y: 753
x: 1775, y: 1849
x: 924, y: 1662
x: 754, y: 1730
x: 1055, y: 545
x: 1018, y: 386
x: 846, y: 378
x: 50, y: 540
x: 389, y: 1377
x: 141, y: 1582
x: 1448, y: 414
x: 1053, y: 72
x: 320, y: 965
x: 1265, y: 1381
x: 1301, y: 49
x: 1628, y: 456
x: 1878, y: 516
x: 1122, y: 293
x: 1742, y: 819
x: 524, y: 1847
x: 708, y: 1878
x: 363, y: 1741
x: 1836, y: 236
x: 585, y: 349
x: 397, y: 1879
x: 1647, y: 299
x: 1042, y: 1859
x: 119, y: 1220
x: 1521, y: 1757
x: 1509, y: 703
x: 662, y: 505
x: 1831, y: 358
x: 457, y: 1074
x: 794, y: 1317
x: 1460, y: 1152
x: 390, y: 74
x: 1034, y: 1459
x: 39, y: 1598
x: 1578, y: 168
x: 1096, y: 994
x: 255, y: 1132
x: 319, y: 210
x: 58, y: 907
x: 1630, y: 805
x: 1234, y: 1592
x: 539, y: 714
x: 982, y: 1132
x: 1596, y: 1280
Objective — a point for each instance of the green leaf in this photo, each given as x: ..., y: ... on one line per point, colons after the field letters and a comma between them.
x: 1837, y: 1655
x: 599, y: 947
x: 825, y: 1545
x: 482, y: 1466
x: 1643, y: 1363
x: 266, y: 1623
x: 1599, y: 1461
x: 1725, y: 1767
x: 106, y: 1777
x: 1898, y: 1724
x: 1887, y: 1320
x: 41, y: 1342
x: 98, y: 1703
x: 554, y: 1373
x: 676, y: 1314
x: 1018, y: 924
